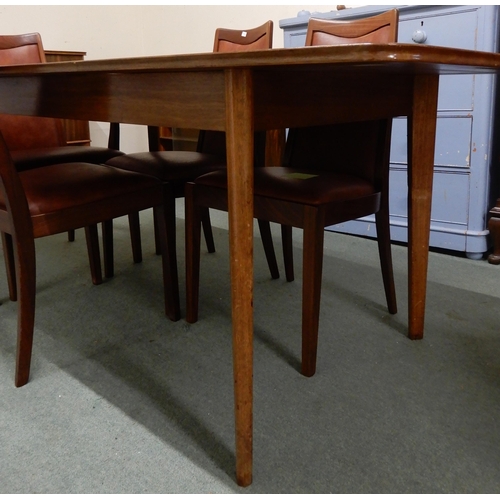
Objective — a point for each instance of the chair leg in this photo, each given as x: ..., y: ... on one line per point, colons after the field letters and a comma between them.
x: 384, y: 248
x: 267, y: 243
x: 287, y: 242
x: 311, y: 286
x: 135, y: 236
x: 165, y: 216
x: 10, y: 265
x: 157, y: 234
x: 207, y: 229
x: 94, y: 255
x: 108, y: 248
x: 193, y: 237
x: 26, y: 285
x: 71, y: 235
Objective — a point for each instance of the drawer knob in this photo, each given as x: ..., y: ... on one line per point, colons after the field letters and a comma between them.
x: 419, y: 36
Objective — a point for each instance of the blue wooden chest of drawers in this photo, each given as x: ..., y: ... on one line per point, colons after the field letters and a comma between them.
x: 467, y: 160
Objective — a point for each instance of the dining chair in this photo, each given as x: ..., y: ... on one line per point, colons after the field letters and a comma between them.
x: 178, y: 167
x: 35, y: 142
x: 53, y: 199
x: 330, y: 174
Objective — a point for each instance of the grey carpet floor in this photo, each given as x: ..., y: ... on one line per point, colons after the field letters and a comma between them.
x: 121, y: 400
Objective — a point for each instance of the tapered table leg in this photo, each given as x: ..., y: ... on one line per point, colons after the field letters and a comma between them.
x: 421, y: 135
x: 239, y: 137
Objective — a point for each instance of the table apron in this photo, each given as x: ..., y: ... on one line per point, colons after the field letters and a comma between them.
x: 322, y: 98
x: 177, y: 99
x: 197, y: 99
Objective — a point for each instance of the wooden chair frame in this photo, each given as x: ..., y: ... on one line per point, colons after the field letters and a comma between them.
x: 36, y: 141
x: 21, y: 227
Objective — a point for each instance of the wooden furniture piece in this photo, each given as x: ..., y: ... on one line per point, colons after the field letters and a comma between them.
x: 466, y: 159
x: 76, y: 132
x: 494, y: 227
x: 175, y: 168
x: 263, y: 90
x: 55, y: 198
x: 35, y: 142
x: 331, y: 174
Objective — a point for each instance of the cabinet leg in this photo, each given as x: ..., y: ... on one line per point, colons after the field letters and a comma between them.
x: 494, y: 227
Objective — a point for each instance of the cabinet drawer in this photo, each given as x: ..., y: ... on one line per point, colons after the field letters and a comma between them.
x: 453, y: 142
x: 453, y: 29
x: 448, y: 192
x: 450, y: 29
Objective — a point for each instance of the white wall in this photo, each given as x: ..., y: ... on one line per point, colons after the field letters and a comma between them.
x: 130, y: 30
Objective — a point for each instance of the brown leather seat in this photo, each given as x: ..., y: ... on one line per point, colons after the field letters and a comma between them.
x: 331, y: 174
x: 304, y: 186
x: 175, y: 167
x: 27, y: 159
x: 57, y: 188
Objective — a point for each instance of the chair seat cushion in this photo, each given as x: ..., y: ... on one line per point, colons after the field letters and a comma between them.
x: 310, y: 187
x: 57, y: 187
x: 170, y: 166
x: 34, y: 158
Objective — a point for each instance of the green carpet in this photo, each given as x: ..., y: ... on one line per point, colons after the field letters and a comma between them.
x: 121, y: 400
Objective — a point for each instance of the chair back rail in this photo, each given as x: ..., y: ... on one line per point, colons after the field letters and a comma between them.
x: 230, y: 40
x: 382, y: 28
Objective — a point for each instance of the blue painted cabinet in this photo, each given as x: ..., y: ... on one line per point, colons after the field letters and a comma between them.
x: 467, y: 161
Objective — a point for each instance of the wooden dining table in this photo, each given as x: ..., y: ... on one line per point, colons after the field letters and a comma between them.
x: 240, y: 93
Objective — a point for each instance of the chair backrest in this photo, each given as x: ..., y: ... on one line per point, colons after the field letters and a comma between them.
x: 26, y: 132
x: 358, y: 148
x: 228, y: 40
x: 382, y: 28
